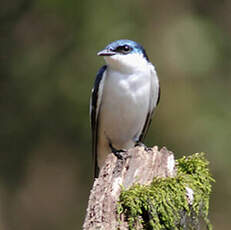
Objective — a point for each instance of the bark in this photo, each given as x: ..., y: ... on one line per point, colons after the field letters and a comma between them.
x: 139, y: 165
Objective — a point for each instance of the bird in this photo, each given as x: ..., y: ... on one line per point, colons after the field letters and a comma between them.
x: 125, y: 94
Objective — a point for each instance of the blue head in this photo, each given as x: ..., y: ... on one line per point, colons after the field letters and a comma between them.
x: 123, y: 47
x: 124, y: 54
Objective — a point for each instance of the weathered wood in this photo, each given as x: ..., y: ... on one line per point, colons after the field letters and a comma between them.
x: 138, y: 166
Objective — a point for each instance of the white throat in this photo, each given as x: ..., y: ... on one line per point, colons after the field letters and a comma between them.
x: 129, y: 63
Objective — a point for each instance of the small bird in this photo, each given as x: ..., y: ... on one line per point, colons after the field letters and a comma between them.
x: 126, y: 92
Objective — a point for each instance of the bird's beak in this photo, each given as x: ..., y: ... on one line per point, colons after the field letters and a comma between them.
x: 106, y: 52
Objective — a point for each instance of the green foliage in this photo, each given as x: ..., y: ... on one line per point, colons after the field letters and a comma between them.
x: 161, y: 204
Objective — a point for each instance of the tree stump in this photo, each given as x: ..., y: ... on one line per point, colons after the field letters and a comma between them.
x: 148, y: 168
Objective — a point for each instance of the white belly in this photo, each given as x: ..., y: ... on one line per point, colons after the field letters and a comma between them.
x: 123, y: 111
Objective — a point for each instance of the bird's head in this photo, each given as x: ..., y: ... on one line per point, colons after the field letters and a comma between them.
x: 125, y: 55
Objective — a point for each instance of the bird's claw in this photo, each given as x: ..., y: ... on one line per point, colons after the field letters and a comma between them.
x: 140, y: 144
x: 117, y: 153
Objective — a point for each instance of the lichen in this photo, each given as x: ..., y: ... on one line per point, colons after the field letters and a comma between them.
x: 163, y: 203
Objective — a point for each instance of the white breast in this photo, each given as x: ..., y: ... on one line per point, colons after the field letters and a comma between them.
x: 129, y: 91
x: 124, y: 107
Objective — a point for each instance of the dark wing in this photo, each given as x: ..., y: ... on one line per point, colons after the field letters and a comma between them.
x: 95, y: 103
x: 154, y: 100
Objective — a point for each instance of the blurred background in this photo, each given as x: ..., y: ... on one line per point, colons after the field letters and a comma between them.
x: 48, y: 64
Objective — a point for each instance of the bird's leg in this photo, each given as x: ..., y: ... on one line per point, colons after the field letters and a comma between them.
x: 141, y: 144
x: 116, y: 152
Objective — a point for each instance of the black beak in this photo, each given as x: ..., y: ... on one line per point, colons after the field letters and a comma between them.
x: 106, y: 52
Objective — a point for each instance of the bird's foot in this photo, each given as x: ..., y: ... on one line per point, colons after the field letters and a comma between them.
x: 117, y: 153
x: 141, y: 144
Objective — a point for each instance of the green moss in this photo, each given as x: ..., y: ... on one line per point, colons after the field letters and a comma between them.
x: 163, y: 203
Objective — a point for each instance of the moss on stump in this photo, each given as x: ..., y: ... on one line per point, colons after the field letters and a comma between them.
x: 167, y: 201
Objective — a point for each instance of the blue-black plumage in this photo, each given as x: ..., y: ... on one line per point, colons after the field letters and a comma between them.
x: 124, y: 96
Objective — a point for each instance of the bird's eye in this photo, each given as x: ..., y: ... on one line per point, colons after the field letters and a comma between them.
x: 126, y: 49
